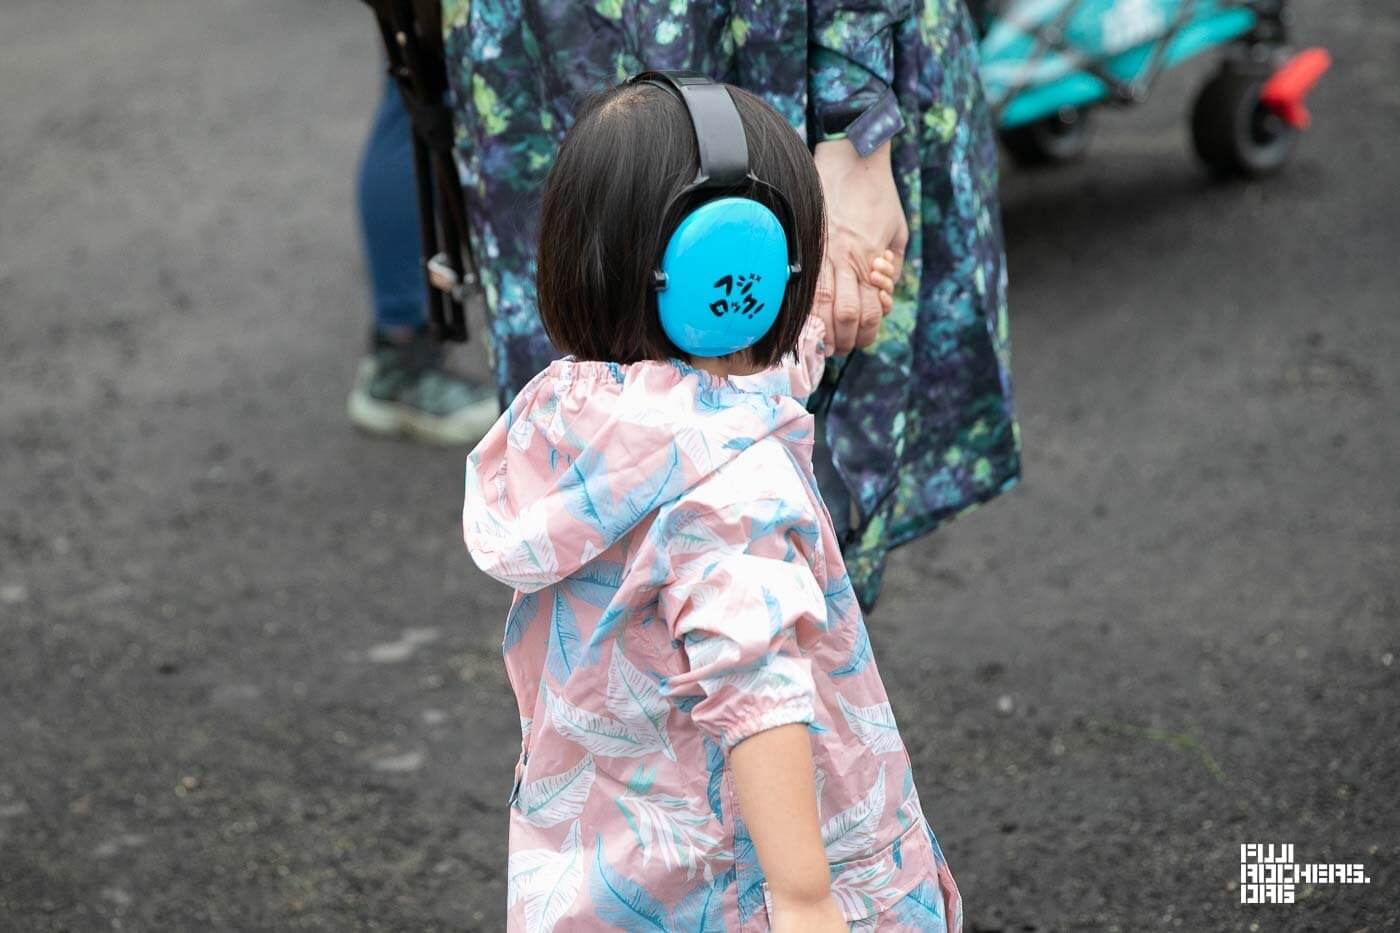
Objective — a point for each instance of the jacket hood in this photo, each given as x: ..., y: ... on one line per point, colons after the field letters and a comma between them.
x: 589, y: 449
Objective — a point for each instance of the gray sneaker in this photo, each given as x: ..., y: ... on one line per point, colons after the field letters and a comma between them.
x: 403, y: 389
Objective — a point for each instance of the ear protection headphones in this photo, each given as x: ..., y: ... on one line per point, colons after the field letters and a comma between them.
x: 724, y: 264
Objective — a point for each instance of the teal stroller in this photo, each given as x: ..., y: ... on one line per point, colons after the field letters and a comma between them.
x: 1047, y: 64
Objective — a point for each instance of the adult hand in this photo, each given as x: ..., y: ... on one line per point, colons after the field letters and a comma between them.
x: 864, y: 221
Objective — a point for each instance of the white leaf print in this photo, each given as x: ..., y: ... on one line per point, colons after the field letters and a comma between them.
x: 521, y: 871
x: 636, y: 700
x: 852, y: 831
x: 558, y: 797
x: 691, y: 534
x: 601, y: 735
x: 671, y: 827
x: 779, y: 678
x: 873, y: 725
x: 529, y: 558
x: 704, y: 593
x: 525, y: 723
x: 820, y: 779
x: 520, y: 434
x: 696, y: 447
x: 558, y: 427
x: 863, y: 891
x: 657, y: 413
x: 547, y: 881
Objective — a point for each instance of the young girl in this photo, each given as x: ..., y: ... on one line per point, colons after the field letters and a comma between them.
x: 706, y: 743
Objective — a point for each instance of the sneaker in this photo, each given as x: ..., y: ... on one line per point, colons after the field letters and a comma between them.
x: 403, y: 389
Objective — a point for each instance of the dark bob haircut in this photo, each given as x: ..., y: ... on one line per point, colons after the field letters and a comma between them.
x: 630, y: 150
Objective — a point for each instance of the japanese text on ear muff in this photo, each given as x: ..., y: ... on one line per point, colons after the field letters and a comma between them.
x: 741, y: 303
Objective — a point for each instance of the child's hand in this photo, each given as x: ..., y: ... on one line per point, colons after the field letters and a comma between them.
x: 882, y: 277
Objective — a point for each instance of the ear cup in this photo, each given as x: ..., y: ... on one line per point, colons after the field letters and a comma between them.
x: 726, y: 267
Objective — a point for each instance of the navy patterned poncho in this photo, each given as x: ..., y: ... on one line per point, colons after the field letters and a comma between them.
x: 921, y: 428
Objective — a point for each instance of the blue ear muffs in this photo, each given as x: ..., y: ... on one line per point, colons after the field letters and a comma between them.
x: 726, y: 263
x: 726, y: 269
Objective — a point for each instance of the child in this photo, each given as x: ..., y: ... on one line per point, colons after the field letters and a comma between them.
x: 706, y: 742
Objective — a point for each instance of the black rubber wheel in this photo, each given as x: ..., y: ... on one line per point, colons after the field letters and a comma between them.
x: 1051, y: 141
x: 1233, y: 133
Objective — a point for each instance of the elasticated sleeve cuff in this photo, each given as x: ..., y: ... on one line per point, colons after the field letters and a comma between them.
x: 794, y: 710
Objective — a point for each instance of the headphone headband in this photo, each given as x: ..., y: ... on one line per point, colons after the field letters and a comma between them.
x: 723, y: 149
x: 719, y: 133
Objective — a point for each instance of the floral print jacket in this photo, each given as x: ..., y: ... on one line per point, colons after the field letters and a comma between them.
x: 679, y: 589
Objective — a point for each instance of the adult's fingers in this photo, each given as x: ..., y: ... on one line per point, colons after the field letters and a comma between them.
x: 871, y: 313
x: 847, y: 314
x: 824, y: 299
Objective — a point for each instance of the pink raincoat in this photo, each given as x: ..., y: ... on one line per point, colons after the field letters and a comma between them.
x: 679, y: 588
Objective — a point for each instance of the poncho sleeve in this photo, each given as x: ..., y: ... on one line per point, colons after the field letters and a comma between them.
x: 739, y: 610
x: 851, y: 69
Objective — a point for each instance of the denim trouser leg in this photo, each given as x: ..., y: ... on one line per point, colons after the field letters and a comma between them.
x: 388, y: 204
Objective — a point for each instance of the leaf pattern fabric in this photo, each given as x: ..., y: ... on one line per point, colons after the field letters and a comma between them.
x: 922, y: 428
x: 873, y: 725
x: 623, y: 903
x: 600, y: 734
x: 853, y: 830
x: 638, y: 702
x: 696, y: 597
x: 555, y: 799
x: 546, y: 883
x: 673, y: 828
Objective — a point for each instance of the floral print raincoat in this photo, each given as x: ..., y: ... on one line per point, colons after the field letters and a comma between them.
x: 921, y: 428
x: 679, y: 589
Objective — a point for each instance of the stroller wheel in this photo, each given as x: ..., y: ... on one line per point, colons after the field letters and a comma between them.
x: 1234, y: 134
x: 1049, y: 141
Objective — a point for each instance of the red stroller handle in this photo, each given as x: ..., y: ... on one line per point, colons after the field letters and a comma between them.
x: 1287, y: 89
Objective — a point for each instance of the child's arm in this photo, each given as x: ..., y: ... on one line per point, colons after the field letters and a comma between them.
x: 778, y: 799
x: 740, y: 598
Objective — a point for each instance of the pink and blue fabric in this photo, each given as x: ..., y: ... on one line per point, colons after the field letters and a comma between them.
x: 679, y: 588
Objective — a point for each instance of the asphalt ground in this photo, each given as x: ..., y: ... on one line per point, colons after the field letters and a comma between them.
x: 250, y: 680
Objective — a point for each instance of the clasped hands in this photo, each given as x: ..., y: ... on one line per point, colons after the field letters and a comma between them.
x: 866, y: 235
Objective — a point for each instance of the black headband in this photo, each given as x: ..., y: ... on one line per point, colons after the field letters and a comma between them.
x: 719, y: 133
x: 723, y: 149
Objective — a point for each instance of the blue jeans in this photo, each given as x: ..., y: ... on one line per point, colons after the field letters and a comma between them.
x: 388, y: 204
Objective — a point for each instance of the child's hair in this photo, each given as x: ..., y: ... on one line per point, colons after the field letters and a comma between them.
x: 630, y: 150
